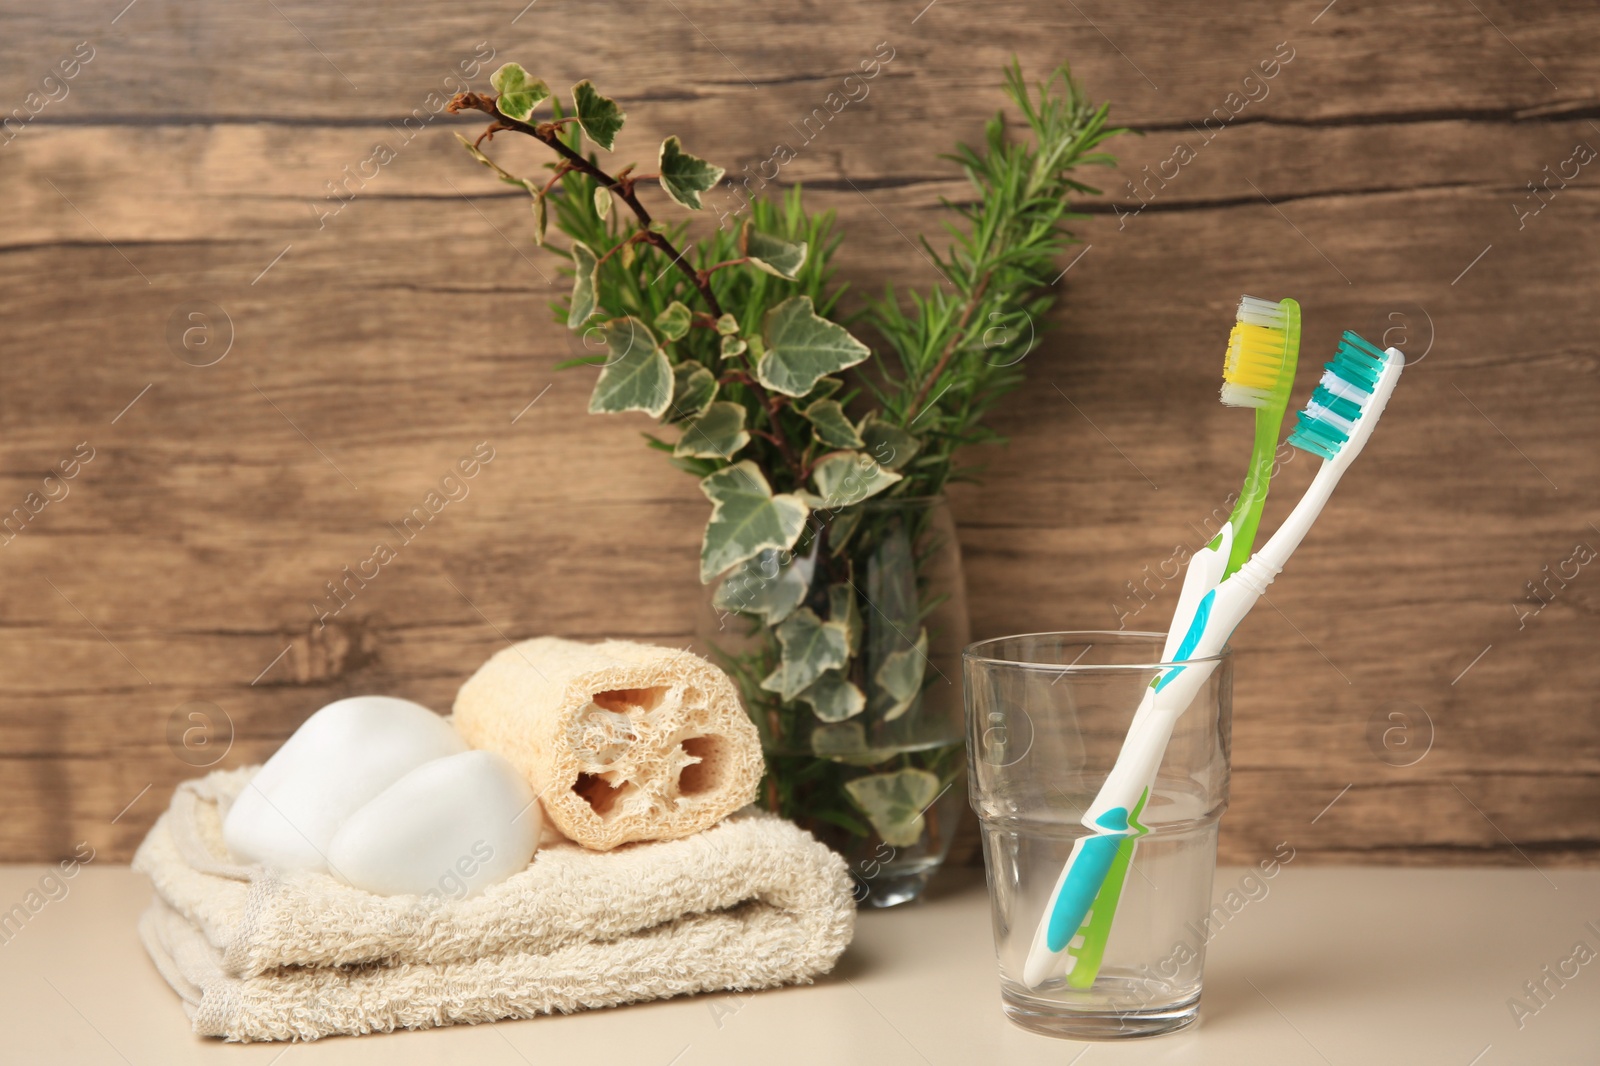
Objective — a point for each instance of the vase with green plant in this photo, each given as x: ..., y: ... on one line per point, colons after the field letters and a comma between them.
x: 835, y: 582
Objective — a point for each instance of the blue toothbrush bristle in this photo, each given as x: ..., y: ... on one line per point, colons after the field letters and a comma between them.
x: 1347, y: 383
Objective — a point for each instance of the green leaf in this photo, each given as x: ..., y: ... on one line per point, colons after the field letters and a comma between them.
x: 745, y: 518
x: 504, y: 175
x: 673, y: 323
x: 833, y: 698
x: 541, y: 219
x: 831, y: 426
x: 585, y: 265
x: 842, y: 527
x: 763, y: 587
x: 802, y: 347
x: 810, y: 646
x: 891, y: 446
x: 519, y: 93
x: 846, y: 478
x: 602, y: 202
x: 894, y: 803
x: 839, y: 740
x: 824, y: 388
x: 727, y: 324
x: 900, y: 676
x: 685, y: 177
x: 732, y: 346
x: 599, y: 116
x: 693, y: 389
x: 846, y: 742
x: 715, y: 434
x: 637, y: 376
x: 843, y: 611
x: 771, y: 254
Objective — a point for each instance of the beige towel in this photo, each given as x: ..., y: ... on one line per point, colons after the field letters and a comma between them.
x: 621, y: 741
x: 256, y: 955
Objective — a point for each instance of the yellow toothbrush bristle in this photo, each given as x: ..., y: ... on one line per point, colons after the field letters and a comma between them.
x: 1256, y: 365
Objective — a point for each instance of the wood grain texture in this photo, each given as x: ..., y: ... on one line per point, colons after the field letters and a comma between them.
x: 1378, y: 176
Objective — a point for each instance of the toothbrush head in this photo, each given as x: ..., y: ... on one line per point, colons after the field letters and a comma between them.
x: 1344, y: 395
x: 1258, y: 370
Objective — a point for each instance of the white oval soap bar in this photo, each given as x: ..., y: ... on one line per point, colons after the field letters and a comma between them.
x: 336, y: 762
x: 449, y: 828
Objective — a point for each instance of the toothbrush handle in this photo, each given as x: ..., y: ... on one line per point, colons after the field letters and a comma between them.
x: 1092, y: 856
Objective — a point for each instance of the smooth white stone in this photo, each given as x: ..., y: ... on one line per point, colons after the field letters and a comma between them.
x: 449, y: 828
x: 334, y: 764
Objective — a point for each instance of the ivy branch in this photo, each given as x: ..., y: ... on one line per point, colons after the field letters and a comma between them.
x: 622, y: 186
x: 753, y: 375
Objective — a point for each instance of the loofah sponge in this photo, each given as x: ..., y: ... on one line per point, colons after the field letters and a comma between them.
x: 621, y: 741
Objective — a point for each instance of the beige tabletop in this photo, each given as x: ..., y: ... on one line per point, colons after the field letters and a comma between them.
x: 1331, y: 966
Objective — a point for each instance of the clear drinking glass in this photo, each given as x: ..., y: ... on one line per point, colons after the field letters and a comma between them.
x: 1046, y: 716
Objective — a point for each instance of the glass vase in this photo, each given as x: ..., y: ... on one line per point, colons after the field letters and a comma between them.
x: 847, y: 652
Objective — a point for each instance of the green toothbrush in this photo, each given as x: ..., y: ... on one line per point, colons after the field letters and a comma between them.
x: 1257, y: 372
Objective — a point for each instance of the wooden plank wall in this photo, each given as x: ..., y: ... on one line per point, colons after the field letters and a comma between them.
x: 1381, y: 175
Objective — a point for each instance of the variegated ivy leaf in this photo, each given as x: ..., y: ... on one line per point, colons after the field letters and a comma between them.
x: 717, y: 433
x: 519, y: 92
x: 673, y: 323
x: 683, y: 176
x: 844, y: 741
x: 745, y: 518
x: 764, y: 587
x: 693, y: 389
x: 900, y: 676
x: 810, y: 646
x: 500, y: 172
x: 843, y: 610
x: 894, y: 803
x: 833, y: 698
x: 831, y: 426
x: 732, y: 346
x: 584, y: 266
x: 802, y: 347
x: 727, y: 324
x: 891, y: 446
x: 824, y: 388
x: 541, y: 219
x: 599, y: 116
x: 636, y: 376
x: 602, y: 201
x: 846, y: 478
x: 772, y: 254
x: 810, y: 499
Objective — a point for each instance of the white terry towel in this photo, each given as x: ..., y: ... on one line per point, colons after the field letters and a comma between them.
x: 255, y: 954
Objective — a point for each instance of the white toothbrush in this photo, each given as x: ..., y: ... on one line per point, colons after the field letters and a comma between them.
x: 1335, y: 425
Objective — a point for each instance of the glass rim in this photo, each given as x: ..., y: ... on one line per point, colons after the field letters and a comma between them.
x: 975, y: 652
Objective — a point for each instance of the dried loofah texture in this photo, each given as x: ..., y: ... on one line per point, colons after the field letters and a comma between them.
x: 255, y: 955
x: 621, y: 741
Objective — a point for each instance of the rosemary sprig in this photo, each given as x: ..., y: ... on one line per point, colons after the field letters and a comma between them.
x: 959, y: 352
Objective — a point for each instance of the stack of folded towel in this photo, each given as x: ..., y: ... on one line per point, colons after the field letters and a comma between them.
x: 255, y: 954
